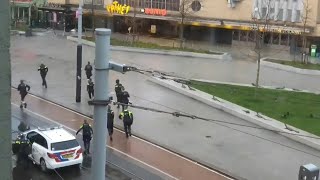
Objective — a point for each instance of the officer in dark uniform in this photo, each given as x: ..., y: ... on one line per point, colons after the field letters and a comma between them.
x: 23, y: 89
x: 86, y: 135
x: 127, y: 118
x: 124, y: 98
x: 43, y: 73
x: 110, y: 122
x: 88, y: 70
x: 118, y: 90
x: 22, y: 148
x: 90, y: 88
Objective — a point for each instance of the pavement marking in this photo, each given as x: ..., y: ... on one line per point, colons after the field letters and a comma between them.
x: 157, y: 146
x: 144, y: 163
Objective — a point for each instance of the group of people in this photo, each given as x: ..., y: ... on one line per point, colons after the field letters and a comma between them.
x: 126, y: 116
x: 122, y: 99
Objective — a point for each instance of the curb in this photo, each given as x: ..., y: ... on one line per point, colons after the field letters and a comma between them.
x: 289, y: 68
x: 16, y: 32
x: 238, y: 111
x: 224, y: 56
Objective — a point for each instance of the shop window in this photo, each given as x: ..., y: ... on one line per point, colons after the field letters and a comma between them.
x: 298, y: 15
x: 235, y: 35
x: 280, y: 15
x: 243, y: 35
x: 284, y: 39
x: 289, y: 15
x: 275, y: 38
x: 173, y: 5
x: 251, y: 36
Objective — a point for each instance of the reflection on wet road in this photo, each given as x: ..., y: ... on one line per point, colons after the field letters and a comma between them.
x: 115, y: 168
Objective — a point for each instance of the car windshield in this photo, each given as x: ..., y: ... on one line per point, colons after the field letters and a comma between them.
x: 58, y: 146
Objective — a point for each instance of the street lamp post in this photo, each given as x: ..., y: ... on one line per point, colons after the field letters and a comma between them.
x: 79, y: 53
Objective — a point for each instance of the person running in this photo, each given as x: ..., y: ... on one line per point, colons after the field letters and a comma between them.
x: 43, y: 73
x: 23, y: 89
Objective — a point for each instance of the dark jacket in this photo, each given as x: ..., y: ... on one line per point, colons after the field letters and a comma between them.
x: 125, y: 97
x: 88, y: 69
x: 110, y: 119
x: 118, y: 88
x: 43, y: 70
x: 126, y: 116
x: 23, y: 88
x: 86, y: 130
x: 90, y: 87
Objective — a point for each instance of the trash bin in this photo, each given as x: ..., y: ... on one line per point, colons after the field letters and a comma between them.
x: 28, y: 32
x: 309, y: 172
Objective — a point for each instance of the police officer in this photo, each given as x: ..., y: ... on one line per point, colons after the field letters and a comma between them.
x: 110, y: 122
x: 86, y: 135
x: 23, y: 89
x: 90, y: 88
x: 43, y: 73
x: 21, y: 147
x: 124, y: 98
x: 127, y: 118
x: 88, y: 70
x: 118, y: 90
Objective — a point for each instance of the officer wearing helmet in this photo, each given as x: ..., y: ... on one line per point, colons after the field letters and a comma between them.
x: 118, y: 89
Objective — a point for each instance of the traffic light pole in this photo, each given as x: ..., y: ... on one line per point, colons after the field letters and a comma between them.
x: 79, y: 53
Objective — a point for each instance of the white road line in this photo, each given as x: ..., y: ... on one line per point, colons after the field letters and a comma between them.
x: 37, y: 114
x: 157, y: 146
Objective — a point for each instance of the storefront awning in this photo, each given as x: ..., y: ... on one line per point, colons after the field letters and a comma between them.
x: 246, y: 26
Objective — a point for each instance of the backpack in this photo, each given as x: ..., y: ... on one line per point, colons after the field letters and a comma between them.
x: 86, y: 130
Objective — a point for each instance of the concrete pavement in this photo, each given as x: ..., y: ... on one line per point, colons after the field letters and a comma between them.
x: 161, y: 163
x: 215, y: 145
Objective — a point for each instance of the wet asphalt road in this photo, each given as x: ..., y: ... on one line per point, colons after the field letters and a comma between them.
x: 117, y: 167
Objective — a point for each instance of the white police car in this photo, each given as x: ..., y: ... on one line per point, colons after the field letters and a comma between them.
x: 54, y: 148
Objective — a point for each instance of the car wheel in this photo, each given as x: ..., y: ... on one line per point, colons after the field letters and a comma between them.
x: 43, y: 165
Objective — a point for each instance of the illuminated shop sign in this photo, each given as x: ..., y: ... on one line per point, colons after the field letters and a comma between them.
x: 151, y: 11
x: 117, y: 8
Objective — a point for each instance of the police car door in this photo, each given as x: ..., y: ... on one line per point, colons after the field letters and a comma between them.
x: 39, y: 148
x: 31, y: 136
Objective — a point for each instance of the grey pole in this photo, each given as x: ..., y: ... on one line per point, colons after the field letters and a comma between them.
x: 79, y: 54
x: 101, y: 63
x: 5, y: 93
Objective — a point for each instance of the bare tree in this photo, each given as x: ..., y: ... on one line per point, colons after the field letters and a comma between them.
x: 186, y: 12
x: 133, y: 21
x: 305, y: 18
x: 261, y: 25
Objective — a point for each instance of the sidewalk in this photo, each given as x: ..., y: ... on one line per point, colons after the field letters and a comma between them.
x: 237, y: 51
x: 216, y: 145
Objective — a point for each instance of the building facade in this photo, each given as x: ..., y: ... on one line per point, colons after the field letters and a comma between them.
x: 228, y: 21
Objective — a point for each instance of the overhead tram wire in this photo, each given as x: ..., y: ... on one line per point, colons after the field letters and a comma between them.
x: 219, y: 121
x: 179, y: 114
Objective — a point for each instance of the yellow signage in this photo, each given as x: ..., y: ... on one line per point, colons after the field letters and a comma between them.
x: 115, y: 7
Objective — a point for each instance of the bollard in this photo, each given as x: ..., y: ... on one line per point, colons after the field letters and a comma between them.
x: 309, y: 172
